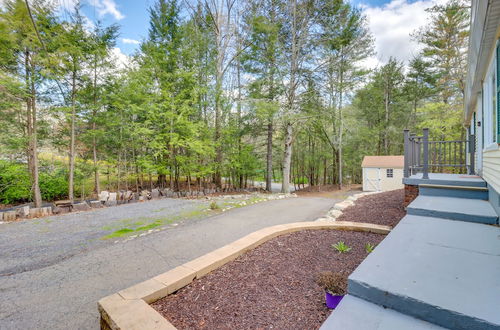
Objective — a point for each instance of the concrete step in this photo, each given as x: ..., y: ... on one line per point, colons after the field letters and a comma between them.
x: 358, y: 314
x: 463, y: 209
x: 440, y: 271
x: 446, y: 179
x: 453, y: 191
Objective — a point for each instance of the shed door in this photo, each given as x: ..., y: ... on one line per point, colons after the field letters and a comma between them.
x: 371, y: 179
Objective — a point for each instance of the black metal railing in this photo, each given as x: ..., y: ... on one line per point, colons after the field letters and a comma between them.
x: 425, y: 156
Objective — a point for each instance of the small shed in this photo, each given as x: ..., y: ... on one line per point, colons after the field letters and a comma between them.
x: 382, y: 173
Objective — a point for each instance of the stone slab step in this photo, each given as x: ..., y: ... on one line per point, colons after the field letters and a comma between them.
x: 453, y: 191
x: 446, y: 179
x: 358, y: 314
x: 452, y: 208
x: 441, y: 271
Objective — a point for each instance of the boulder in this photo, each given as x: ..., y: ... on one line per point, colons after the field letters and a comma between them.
x: 110, y: 202
x: 104, y: 195
x: 141, y: 198
x: 10, y: 216
x: 95, y: 204
x: 45, y: 211
x: 23, y: 211
x: 155, y: 193
x: 112, y: 197
x: 128, y: 195
x: 35, y: 212
x: 83, y: 206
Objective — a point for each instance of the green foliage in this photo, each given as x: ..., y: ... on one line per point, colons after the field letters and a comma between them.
x: 369, y: 247
x: 214, y: 206
x: 341, y: 247
x: 14, y: 182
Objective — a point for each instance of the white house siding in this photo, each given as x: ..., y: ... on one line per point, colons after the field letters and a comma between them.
x: 491, y: 168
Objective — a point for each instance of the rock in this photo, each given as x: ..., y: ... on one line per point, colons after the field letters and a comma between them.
x: 35, y: 212
x: 57, y: 210
x: 23, y: 211
x: 1, y: 216
x: 10, y: 216
x: 141, y: 198
x: 155, y: 193
x: 103, y: 196
x: 45, y: 211
x: 111, y: 203
x: 112, y: 197
x: 334, y: 213
x: 95, y: 204
x: 128, y: 195
x: 83, y: 206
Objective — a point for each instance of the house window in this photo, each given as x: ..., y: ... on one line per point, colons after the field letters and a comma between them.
x: 390, y: 172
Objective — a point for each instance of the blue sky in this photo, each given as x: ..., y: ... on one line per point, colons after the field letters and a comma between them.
x: 390, y: 21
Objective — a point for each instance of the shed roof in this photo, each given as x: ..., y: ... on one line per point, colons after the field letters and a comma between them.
x: 383, y: 161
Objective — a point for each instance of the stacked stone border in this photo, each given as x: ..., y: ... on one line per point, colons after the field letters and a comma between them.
x: 129, y: 309
x: 336, y: 210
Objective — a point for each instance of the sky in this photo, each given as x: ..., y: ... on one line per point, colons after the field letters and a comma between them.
x: 390, y: 21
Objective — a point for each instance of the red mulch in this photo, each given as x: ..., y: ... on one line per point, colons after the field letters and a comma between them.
x: 383, y: 209
x: 271, y: 286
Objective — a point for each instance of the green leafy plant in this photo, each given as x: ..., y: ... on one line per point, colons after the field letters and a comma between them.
x: 369, y: 247
x: 341, y: 247
x: 334, y: 283
x: 214, y: 206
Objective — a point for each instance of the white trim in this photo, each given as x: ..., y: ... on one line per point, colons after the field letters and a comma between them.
x: 491, y: 147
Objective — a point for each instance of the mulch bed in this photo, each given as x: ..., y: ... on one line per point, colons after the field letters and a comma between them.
x: 383, y: 209
x: 271, y: 286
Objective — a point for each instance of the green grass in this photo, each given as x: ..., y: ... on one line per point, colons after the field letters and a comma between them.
x: 119, y: 233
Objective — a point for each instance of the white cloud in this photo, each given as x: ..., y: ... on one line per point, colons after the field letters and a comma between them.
x: 130, y: 41
x: 121, y: 60
x: 392, y: 24
x: 108, y: 7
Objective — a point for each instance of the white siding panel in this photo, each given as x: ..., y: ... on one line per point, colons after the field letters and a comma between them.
x: 491, y: 168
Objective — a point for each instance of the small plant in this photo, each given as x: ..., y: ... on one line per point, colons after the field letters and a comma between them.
x: 369, y: 247
x: 334, y: 283
x: 214, y: 206
x: 341, y: 247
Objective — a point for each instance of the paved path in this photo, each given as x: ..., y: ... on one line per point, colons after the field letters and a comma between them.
x: 52, y: 278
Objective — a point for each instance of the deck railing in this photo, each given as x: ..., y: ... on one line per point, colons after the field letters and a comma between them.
x: 424, y: 156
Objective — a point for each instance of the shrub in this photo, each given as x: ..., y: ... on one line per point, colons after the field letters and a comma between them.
x: 214, y: 206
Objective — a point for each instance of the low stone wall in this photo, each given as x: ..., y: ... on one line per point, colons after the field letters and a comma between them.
x: 411, y: 192
x: 129, y: 308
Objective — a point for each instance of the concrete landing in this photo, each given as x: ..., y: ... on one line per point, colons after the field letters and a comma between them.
x: 471, y: 210
x: 446, y: 179
x: 441, y: 271
x: 358, y: 314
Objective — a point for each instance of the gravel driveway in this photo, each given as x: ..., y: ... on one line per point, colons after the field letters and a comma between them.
x: 54, y: 270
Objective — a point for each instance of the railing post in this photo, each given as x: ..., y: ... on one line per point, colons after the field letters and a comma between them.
x: 425, y: 174
x: 472, y: 150
x: 406, y: 170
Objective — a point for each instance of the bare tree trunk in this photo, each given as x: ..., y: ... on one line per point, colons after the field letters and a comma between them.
x: 269, y: 157
x: 287, y: 159
x: 97, y: 186
x: 72, y: 140
x: 31, y: 123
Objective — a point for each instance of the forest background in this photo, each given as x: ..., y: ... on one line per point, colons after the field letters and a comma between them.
x: 220, y: 93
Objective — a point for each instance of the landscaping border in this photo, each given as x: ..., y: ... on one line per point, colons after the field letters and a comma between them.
x: 129, y: 309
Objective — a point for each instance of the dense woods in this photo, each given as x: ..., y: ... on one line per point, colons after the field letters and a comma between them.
x: 219, y: 94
